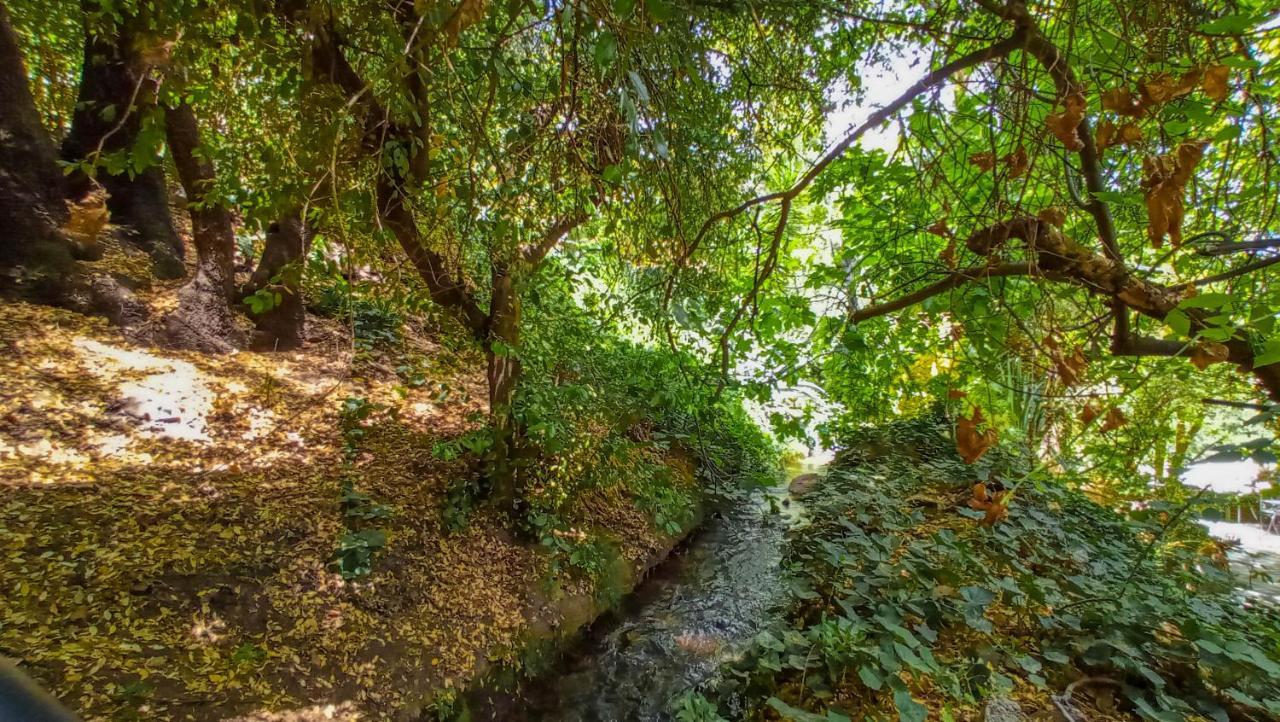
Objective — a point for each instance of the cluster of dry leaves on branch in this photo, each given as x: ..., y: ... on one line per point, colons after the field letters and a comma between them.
x: 1165, y: 176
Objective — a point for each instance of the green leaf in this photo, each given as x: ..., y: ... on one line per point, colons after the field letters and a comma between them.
x: 1179, y: 322
x: 794, y: 713
x: 909, y: 710
x: 372, y: 538
x: 660, y: 10
x: 1130, y: 199
x: 1270, y: 353
x: 612, y: 174
x: 606, y: 50
x: 624, y: 8
x: 870, y: 677
x: 1232, y: 24
x: 637, y: 82
x: 1206, y: 300
x: 1228, y: 133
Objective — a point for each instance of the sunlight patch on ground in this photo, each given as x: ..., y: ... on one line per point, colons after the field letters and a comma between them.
x: 345, y: 712
x: 167, y: 397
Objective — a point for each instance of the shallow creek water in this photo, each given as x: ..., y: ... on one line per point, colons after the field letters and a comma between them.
x: 694, y: 612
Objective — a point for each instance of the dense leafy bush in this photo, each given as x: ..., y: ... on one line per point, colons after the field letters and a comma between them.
x: 903, y: 597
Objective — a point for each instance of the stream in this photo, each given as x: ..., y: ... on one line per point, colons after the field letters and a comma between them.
x: 694, y: 612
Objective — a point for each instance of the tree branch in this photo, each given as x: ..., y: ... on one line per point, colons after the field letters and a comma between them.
x: 330, y: 65
x: 1055, y: 64
x: 533, y: 254
x: 1000, y: 49
x: 957, y: 278
x: 1055, y: 253
x: 1224, y: 249
x: 1235, y: 272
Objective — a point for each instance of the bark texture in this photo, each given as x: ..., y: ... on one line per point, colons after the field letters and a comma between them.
x: 32, y: 212
x: 203, y: 319
x: 282, y: 327
x: 503, y: 375
x: 116, y: 91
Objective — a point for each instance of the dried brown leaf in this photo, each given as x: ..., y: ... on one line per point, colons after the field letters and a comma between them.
x: 971, y: 442
x: 1161, y: 88
x: 1089, y: 413
x: 1120, y: 100
x: 1214, y: 82
x: 1017, y: 162
x: 984, y: 161
x: 1104, y: 137
x: 1064, y: 125
x: 1209, y: 353
x: 1165, y: 184
x: 1053, y: 215
x: 1130, y: 133
x: 1114, y: 420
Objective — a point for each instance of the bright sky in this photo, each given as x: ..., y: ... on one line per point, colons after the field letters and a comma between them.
x: 882, y: 85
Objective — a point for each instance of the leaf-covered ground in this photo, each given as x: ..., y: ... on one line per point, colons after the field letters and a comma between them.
x: 167, y: 519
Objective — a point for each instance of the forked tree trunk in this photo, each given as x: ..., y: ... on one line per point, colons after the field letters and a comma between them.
x: 203, y: 319
x: 116, y: 93
x: 32, y: 246
x: 279, y: 271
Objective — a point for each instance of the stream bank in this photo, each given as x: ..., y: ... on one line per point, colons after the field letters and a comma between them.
x: 690, y: 615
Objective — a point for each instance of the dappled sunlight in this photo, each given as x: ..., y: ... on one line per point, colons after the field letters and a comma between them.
x: 81, y: 399
x: 173, y: 517
x: 341, y: 712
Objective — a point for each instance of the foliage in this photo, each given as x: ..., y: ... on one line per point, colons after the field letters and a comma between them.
x: 361, y: 539
x: 376, y: 322
x: 918, y: 604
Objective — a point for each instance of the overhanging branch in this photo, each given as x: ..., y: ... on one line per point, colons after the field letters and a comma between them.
x: 954, y: 280
x: 533, y: 254
x: 1000, y: 49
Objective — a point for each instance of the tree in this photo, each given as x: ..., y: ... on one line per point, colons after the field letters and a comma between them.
x: 31, y: 207
x: 499, y: 179
x: 117, y: 131
x: 1039, y: 168
x: 203, y: 318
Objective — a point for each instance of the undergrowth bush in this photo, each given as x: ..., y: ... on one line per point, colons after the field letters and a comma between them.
x: 903, y: 599
x: 604, y: 414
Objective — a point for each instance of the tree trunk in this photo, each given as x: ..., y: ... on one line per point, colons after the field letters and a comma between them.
x: 502, y: 461
x: 203, y: 319
x: 116, y: 93
x: 31, y: 208
x: 279, y: 271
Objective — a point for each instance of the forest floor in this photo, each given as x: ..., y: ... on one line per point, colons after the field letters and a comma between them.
x: 167, y: 521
